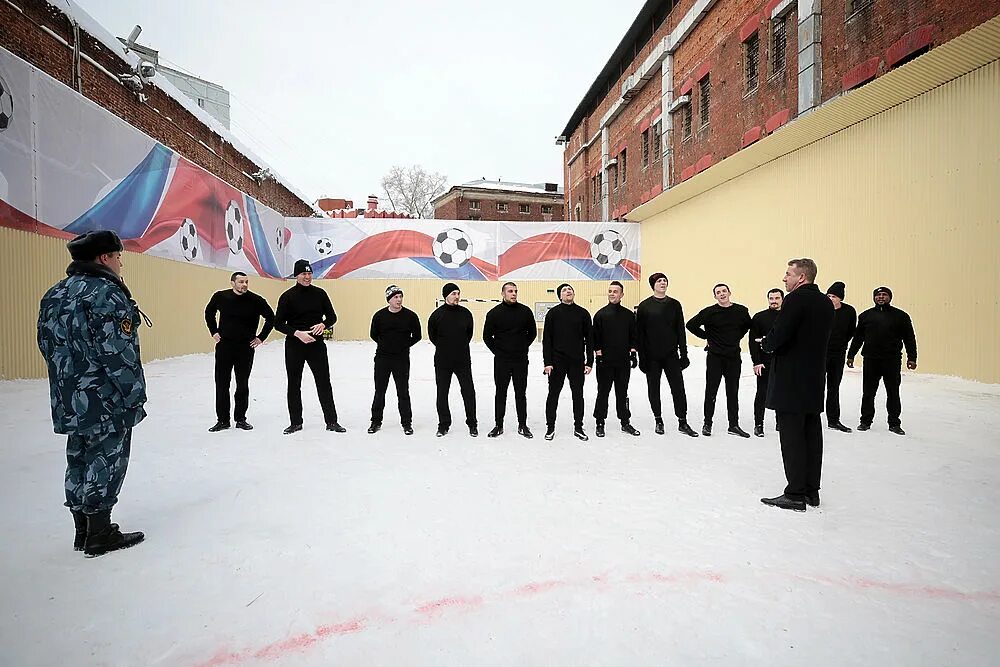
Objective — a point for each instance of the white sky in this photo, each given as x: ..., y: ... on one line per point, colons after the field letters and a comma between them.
x: 334, y: 93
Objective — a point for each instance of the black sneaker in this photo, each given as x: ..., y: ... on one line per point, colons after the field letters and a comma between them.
x: 686, y: 429
x: 706, y: 430
x: 785, y: 503
x: 599, y: 430
x: 524, y: 431
x: 578, y: 432
x: 496, y: 432
x: 407, y: 430
x: 374, y: 427
x: 659, y: 426
x: 550, y: 432
x: 442, y: 431
x: 898, y: 430
x: 736, y: 430
x: 628, y: 428
x: 244, y: 425
x: 474, y: 431
x: 292, y: 428
x: 837, y: 426
x: 335, y: 427
x: 219, y: 426
x: 864, y: 427
x: 758, y: 430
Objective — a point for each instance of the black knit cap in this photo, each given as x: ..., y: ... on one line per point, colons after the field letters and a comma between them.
x: 448, y: 289
x: 302, y: 266
x: 391, y: 291
x: 560, y: 289
x: 656, y: 276
x: 837, y: 290
x: 882, y: 289
x: 91, y: 245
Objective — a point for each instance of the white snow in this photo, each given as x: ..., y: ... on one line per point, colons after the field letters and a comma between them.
x: 318, y: 549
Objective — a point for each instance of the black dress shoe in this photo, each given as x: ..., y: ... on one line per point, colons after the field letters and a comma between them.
x: 578, y: 432
x: 628, y: 428
x: 550, y: 432
x: 442, y: 431
x: 813, y: 499
x: 658, y: 429
x: 474, y: 431
x: 686, y: 429
x: 219, y: 426
x: 374, y: 427
x: 864, y: 427
x: 407, y: 430
x: 785, y: 503
x: 335, y: 427
x: 898, y: 430
x: 736, y: 430
x: 758, y: 430
x: 706, y: 430
x: 292, y: 428
x: 524, y: 431
x: 244, y: 425
x: 599, y: 430
x: 496, y: 432
x: 837, y: 426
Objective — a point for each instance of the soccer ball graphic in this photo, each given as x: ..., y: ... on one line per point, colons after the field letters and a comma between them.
x: 452, y: 248
x: 190, y: 244
x: 324, y: 246
x: 608, y: 248
x: 279, y: 238
x: 234, y: 227
x: 6, y: 106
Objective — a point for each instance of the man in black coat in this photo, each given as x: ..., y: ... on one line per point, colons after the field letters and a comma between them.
x: 883, y: 331
x: 239, y: 311
x: 449, y: 328
x: 614, y: 343
x: 760, y: 324
x: 662, y: 347
x: 509, y: 331
x: 798, y: 340
x: 395, y: 329
x: 304, y: 312
x: 845, y: 322
x: 566, y: 353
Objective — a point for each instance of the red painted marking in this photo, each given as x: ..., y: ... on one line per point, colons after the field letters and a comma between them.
x: 863, y: 73
x: 439, y: 606
x: 540, y: 587
x: 703, y: 71
x: 749, y: 27
x: 704, y: 163
x: 777, y: 120
x: 688, y: 172
x: 686, y: 86
x: 909, y: 43
x: 751, y: 136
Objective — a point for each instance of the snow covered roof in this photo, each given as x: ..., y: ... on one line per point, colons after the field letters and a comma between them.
x: 509, y: 186
x: 93, y: 27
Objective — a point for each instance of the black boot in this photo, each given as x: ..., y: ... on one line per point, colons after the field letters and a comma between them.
x: 104, y: 536
x: 628, y: 428
x: 80, y: 523
x: 686, y: 429
x: 474, y: 431
x: 442, y: 431
x: 599, y: 430
x: 758, y: 430
x: 292, y: 428
x: 706, y: 429
x: 659, y: 426
x: 863, y: 426
x: 496, y: 432
x: 578, y: 432
x: 375, y: 427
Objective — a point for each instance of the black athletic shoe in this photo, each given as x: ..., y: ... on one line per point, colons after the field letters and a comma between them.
x: 496, y: 432
x: 407, y: 430
x: 374, y: 427
x: 219, y: 426
x: 813, y: 499
x: 758, y: 430
x: 524, y: 431
x: 736, y: 430
x: 292, y: 428
x: 659, y: 426
x: 686, y: 429
x: 244, y: 425
x: 628, y: 428
x: 706, y: 430
x: 864, y: 427
x: 785, y: 503
x: 474, y: 431
x: 898, y: 430
x: 550, y: 432
x: 335, y: 427
x: 442, y: 431
x: 599, y: 430
x: 837, y: 426
x: 578, y: 432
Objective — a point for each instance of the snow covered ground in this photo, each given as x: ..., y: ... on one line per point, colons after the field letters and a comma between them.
x: 318, y: 549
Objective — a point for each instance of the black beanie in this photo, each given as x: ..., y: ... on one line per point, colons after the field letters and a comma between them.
x: 560, y: 289
x: 448, y: 289
x: 91, y: 245
x: 391, y: 291
x: 837, y: 290
x: 302, y: 266
x: 656, y: 276
x: 882, y: 289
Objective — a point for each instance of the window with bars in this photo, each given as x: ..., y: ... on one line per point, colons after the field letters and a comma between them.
x: 857, y: 5
x: 686, y: 121
x: 600, y: 184
x: 524, y: 208
x: 705, y: 93
x: 546, y: 209
x: 645, y: 148
x: 779, y: 43
x: 502, y: 207
x: 623, y: 164
x: 593, y: 191
x: 751, y: 62
x: 473, y: 205
x: 656, y: 141
x: 613, y: 176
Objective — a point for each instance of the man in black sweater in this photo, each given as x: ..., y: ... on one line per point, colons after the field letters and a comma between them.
x: 663, y: 350
x: 396, y: 329
x: 883, y: 331
x: 723, y: 325
x: 304, y: 313
x: 798, y: 342
x: 450, y: 330
x: 614, y: 342
x: 845, y: 322
x: 566, y: 352
x: 239, y: 311
x: 759, y: 326
x: 508, y: 333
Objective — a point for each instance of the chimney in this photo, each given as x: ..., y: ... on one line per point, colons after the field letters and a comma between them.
x: 372, y: 202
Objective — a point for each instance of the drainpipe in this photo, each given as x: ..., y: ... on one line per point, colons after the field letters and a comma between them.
x: 605, y: 158
x: 77, y: 78
x: 666, y: 100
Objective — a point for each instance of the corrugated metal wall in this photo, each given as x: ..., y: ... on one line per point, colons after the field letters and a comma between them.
x: 909, y: 198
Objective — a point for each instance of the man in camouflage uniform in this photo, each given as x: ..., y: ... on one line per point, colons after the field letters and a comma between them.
x: 88, y: 334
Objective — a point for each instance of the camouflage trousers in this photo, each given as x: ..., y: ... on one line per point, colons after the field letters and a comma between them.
x: 95, y: 470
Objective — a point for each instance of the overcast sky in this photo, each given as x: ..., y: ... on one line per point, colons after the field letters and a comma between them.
x: 334, y: 93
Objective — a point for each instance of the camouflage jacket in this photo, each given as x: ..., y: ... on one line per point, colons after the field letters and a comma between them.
x: 88, y: 334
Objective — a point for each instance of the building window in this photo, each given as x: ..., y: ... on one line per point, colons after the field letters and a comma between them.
x: 593, y: 188
x: 705, y: 90
x: 600, y: 185
x: 623, y: 164
x: 686, y: 121
x: 475, y: 217
x: 201, y: 103
x: 613, y: 176
x: 546, y: 209
x: 524, y: 208
x: 473, y: 205
x: 645, y: 148
x: 857, y: 5
x: 501, y: 207
x: 779, y: 43
x: 656, y: 141
x: 751, y: 61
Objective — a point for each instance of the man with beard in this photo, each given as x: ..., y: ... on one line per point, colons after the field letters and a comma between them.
x: 508, y: 333
x: 239, y: 311
x: 662, y: 347
x: 882, y: 332
x: 304, y: 312
x: 396, y: 329
x: 450, y: 330
x: 845, y: 321
x: 566, y: 352
x: 759, y: 326
x: 723, y: 325
x: 614, y: 343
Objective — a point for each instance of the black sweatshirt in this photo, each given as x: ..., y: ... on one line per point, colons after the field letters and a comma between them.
x: 884, y: 330
x: 845, y: 322
x: 660, y: 325
x: 239, y: 315
x: 301, y: 308
x: 509, y: 331
x: 566, y: 336
x: 614, y: 334
x: 759, y: 326
x: 449, y: 328
x: 723, y: 328
x: 395, y: 333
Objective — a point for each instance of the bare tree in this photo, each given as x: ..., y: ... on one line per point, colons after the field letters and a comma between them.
x: 411, y: 189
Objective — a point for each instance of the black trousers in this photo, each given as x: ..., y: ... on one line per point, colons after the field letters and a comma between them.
x: 717, y: 368
x: 561, y: 371
x: 834, y: 374
x: 618, y: 376
x: 505, y: 371
x: 442, y: 376
x: 297, y: 354
x: 888, y: 372
x: 672, y: 369
x: 801, y: 439
x: 399, y: 369
x: 232, y: 359
x: 760, y: 398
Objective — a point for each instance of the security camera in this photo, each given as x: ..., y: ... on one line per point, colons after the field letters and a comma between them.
x: 132, y: 81
x: 146, y: 71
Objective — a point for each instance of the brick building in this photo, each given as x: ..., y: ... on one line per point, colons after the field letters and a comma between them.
x: 69, y: 45
x: 694, y: 81
x: 500, y: 200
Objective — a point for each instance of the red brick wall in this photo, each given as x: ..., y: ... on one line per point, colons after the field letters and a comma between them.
x: 22, y: 36
x: 459, y: 208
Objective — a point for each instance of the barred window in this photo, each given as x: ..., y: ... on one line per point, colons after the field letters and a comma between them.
x: 857, y: 5
x: 751, y: 61
x: 656, y: 141
x: 613, y: 177
x: 473, y: 205
x: 546, y: 209
x: 779, y: 43
x: 623, y: 164
x: 645, y: 149
x: 502, y: 207
x: 524, y: 208
x: 686, y: 121
x: 705, y: 89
